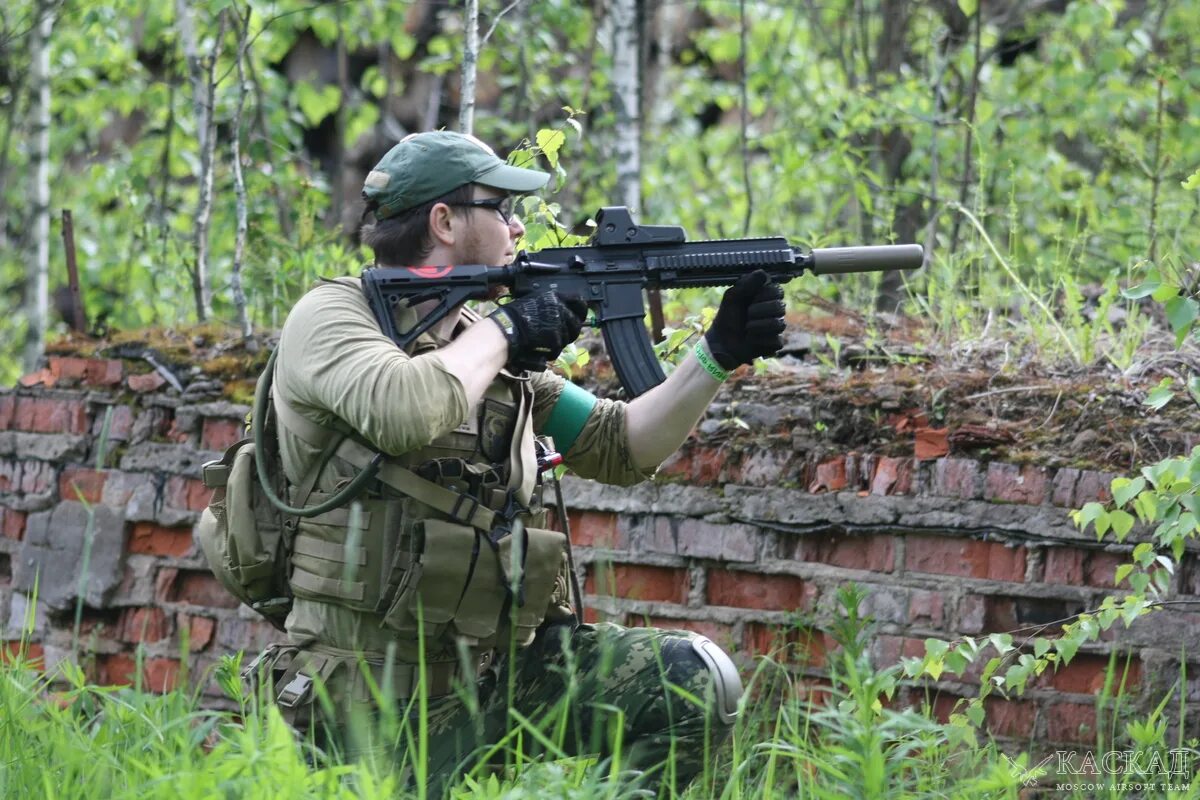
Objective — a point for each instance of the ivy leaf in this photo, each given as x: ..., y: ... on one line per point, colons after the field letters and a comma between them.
x: 1066, y: 648
x: 1041, y: 646
x: 1122, y: 573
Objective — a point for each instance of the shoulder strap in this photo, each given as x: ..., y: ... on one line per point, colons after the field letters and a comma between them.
x: 262, y: 397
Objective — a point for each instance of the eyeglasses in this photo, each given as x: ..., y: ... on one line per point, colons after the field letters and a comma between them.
x: 501, y: 205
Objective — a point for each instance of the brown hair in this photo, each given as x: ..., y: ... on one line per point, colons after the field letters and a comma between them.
x: 403, y: 239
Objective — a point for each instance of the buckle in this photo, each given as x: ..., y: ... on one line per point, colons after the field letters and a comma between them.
x: 456, y: 511
x: 214, y: 474
x: 295, y: 692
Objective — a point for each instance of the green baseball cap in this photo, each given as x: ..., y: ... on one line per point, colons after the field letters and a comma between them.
x: 423, y: 166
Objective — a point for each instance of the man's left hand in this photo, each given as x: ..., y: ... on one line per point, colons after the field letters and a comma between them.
x: 749, y: 323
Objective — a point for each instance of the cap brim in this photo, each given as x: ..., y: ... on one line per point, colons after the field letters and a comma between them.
x: 513, y: 179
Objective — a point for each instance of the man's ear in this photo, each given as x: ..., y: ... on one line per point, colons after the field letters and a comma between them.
x: 443, y: 224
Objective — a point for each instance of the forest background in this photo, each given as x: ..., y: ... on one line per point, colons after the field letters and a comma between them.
x: 1045, y: 153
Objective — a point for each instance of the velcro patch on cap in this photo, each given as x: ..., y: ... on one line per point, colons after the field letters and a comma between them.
x: 377, y: 180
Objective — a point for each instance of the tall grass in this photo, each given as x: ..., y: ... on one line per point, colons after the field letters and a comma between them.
x: 796, y: 737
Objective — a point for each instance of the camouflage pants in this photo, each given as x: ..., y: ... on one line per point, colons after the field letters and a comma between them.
x: 586, y: 690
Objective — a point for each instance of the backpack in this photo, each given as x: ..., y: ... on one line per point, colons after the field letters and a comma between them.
x: 246, y: 531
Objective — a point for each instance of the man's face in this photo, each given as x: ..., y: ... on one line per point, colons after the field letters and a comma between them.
x: 489, y: 239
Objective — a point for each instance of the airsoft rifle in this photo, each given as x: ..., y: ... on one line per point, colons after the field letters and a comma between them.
x: 609, y: 272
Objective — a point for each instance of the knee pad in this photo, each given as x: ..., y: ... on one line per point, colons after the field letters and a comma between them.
x: 727, y: 684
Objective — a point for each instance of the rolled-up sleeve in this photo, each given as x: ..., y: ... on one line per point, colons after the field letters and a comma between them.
x: 601, y: 450
x: 334, y: 361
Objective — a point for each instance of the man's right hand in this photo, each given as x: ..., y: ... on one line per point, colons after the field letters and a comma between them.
x: 538, y: 326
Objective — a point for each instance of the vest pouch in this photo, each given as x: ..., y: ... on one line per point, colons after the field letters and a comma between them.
x: 333, y: 564
x: 243, y: 537
x: 453, y: 579
x: 544, y: 559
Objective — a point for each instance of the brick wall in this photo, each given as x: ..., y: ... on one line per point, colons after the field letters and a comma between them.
x: 745, y: 543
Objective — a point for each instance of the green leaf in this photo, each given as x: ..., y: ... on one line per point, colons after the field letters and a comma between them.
x: 1002, y: 642
x: 975, y: 713
x: 1181, y: 313
x: 1066, y: 648
x: 1193, y: 181
x: 1165, y: 292
x: 936, y: 648
x: 1122, y: 573
x: 1122, y: 523
x: 1041, y: 646
x: 1160, y: 395
x: 1141, y: 290
x: 1123, y: 489
x: 550, y: 141
x: 316, y: 104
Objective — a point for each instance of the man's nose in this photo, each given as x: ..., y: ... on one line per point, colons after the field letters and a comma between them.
x: 516, y: 228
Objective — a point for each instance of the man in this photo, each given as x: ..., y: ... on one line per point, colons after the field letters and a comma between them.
x: 447, y: 562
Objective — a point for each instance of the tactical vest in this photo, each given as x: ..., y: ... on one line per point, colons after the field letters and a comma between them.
x: 450, y: 539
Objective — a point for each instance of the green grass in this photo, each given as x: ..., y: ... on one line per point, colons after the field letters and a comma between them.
x: 63, y: 738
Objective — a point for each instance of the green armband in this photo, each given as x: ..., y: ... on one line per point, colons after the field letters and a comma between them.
x: 568, y: 416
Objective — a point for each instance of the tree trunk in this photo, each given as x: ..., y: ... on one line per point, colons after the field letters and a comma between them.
x: 470, y: 64
x: 239, y: 183
x: 626, y: 79
x: 37, y: 285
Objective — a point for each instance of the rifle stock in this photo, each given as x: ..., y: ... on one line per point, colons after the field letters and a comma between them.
x: 610, y: 272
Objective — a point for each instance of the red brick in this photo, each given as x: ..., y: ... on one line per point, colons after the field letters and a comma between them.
x: 1064, y: 565
x: 874, y: 552
x: 892, y: 476
x: 1095, y: 486
x: 926, y: 607
x: 155, y: 540
x: 200, y: 630
x: 8, y: 407
x: 678, y: 464
x: 593, y: 528
x: 591, y: 616
x: 1012, y: 718
x: 47, y: 415
x: 144, y: 625
x: 119, y: 427
x: 719, y: 633
x: 1087, y: 673
x: 751, y: 590
x: 888, y: 650
x: 80, y: 484
x: 638, y: 582
x: 707, y: 463
x: 930, y: 443
x: 148, y: 382
x: 32, y: 653
x: 1101, y: 568
x: 967, y: 558
x: 68, y: 370
x: 1062, y: 491
x: 1010, y: 483
x: 187, y: 493
x: 829, y: 476
x: 789, y: 644
x: 116, y: 669
x: 218, y: 434
x: 104, y: 372
x: 42, y: 376
x: 164, y: 584
x: 1071, y: 722
x: 957, y: 477
x: 160, y: 674
x: 13, y: 524
x: 200, y: 589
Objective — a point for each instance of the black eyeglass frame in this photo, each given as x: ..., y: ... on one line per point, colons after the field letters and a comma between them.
x: 495, y: 204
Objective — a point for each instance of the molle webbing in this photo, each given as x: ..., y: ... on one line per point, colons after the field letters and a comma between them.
x: 458, y: 507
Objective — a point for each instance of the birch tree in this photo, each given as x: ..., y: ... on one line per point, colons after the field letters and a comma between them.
x: 239, y: 183
x: 626, y: 79
x: 37, y: 284
x: 470, y: 66
x: 204, y: 85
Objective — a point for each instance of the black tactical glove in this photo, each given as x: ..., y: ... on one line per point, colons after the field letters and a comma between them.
x: 748, y: 323
x: 538, y: 327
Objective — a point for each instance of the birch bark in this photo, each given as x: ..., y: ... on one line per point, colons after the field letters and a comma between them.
x: 37, y: 284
